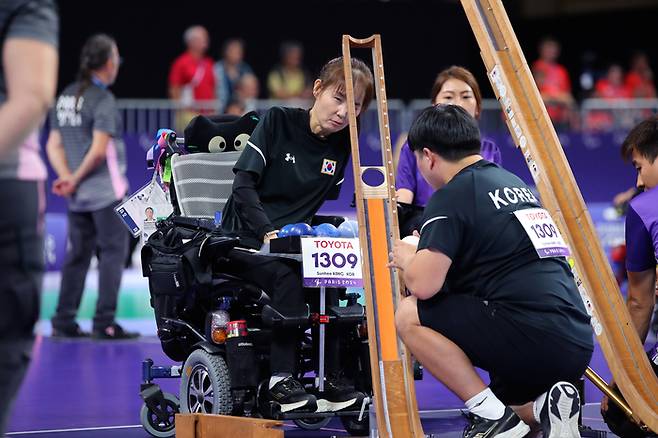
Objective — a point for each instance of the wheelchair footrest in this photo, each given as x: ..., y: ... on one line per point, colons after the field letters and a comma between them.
x: 274, y: 318
x: 352, y: 314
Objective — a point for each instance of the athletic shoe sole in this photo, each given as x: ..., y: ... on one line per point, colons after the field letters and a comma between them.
x: 325, y: 405
x: 518, y: 431
x: 560, y: 412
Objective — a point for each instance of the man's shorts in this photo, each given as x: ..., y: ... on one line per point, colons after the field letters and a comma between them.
x: 523, y: 362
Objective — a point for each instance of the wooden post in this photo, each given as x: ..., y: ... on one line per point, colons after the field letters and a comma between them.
x: 392, y: 374
x: 534, y: 134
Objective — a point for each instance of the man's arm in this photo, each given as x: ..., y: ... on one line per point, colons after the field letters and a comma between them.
x: 423, y: 272
x: 30, y: 68
x: 641, y: 299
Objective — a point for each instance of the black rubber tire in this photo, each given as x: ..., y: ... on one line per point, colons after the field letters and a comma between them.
x: 315, y: 423
x: 151, y: 423
x: 205, y: 385
x: 355, y: 427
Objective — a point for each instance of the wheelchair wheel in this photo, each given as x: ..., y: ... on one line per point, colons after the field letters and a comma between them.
x: 205, y: 386
x: 314, y: 423
x: 154, y: 425
x: 355, y: 427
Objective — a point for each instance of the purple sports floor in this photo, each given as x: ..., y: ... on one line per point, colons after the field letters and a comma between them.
x: 90, y: 389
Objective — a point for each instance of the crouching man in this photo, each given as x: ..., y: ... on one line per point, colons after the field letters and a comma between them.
x: 490, y: 289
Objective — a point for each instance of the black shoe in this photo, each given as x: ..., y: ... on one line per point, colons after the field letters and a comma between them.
x: 113, y: 332
x: 70, y: 332
x: 338, y: 395
x: 507, y: 426
x: 559, y: 415
x: 290, y: 395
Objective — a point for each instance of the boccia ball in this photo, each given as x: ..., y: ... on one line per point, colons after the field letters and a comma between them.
x: 326, y: 230
x: 349, y: 229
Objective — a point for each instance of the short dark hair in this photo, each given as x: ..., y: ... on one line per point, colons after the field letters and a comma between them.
x: 447, y: 130
x: 643, y: 138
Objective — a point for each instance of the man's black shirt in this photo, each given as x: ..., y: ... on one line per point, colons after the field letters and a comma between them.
x: 471, y: 221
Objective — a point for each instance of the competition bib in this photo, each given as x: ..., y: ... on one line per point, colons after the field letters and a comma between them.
x: 543, y: 233
x: 331, y: 262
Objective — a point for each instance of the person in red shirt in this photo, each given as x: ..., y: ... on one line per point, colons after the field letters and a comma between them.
x: 639, y: 78
x: 553, y: 82
x: 191, y: 77
x: 610, y: 87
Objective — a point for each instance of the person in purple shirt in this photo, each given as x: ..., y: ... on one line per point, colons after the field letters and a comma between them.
x: 454, y: 85
x: 641, y: 148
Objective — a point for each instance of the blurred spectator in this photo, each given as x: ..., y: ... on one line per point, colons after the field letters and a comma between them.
x: 245, y: 95
x: 236, y: 107
x: 289, y: 79
x: 639, y: 79
x: 610, y: 87
x: 554, y: 84
x: 191, y: 77
x: 229, y: 71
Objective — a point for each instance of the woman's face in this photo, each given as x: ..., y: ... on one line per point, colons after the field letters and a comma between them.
x: 115, y: 63
x: 330, y: 107
x: 458, y: 92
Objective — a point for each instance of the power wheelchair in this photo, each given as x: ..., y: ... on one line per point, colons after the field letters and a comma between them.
x: 218, y: 326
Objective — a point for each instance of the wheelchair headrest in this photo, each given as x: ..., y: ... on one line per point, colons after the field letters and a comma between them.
x: 219, y: 133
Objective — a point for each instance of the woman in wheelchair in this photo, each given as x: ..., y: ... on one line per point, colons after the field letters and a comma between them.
x: 294, y: 161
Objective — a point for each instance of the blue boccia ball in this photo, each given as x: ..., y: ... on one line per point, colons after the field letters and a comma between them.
x: 326, y: 230
x: 349, y: 229
x: 285, y: 230
x: 301, y: 229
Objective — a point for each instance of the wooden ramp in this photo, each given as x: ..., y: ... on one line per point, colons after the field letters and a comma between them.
x: 225, y: 426
x: 534, y: 134
x: 392, y: 374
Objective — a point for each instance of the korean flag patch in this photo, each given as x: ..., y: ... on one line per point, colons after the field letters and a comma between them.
x: 328, y: 167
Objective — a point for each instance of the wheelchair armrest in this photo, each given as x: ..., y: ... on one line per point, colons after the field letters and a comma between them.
x: 215, y: 247
x: 333, y: 220
x: 274, y: 318
x: 194, y: 223
x: 352, y: 314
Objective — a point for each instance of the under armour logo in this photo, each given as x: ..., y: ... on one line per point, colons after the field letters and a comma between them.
x: 290, y: 158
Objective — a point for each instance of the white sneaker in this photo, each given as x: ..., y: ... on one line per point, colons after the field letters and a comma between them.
x: 559, y: 415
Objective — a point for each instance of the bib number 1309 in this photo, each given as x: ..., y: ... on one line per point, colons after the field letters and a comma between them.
x: 331, y: 262
x: 543, y: 233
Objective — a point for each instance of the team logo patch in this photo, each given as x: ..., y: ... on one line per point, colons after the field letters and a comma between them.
x: 328, y: 167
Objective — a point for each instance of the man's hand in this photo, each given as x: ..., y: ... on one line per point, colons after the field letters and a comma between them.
x: 401, y: 255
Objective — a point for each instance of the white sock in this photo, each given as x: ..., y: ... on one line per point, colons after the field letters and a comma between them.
x: 537, y: 405
x: 276, y: 378
x: 486, y: 405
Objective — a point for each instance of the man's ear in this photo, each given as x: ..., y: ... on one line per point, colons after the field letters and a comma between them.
x: 430, y: 156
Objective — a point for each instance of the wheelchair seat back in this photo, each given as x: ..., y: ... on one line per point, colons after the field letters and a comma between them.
x: 203, y: 182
